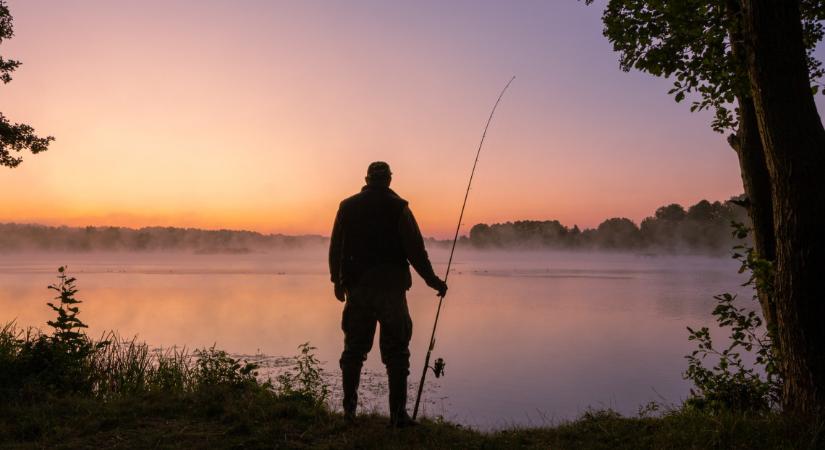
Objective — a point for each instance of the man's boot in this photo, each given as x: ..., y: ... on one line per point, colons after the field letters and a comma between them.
x: 398, y: 400
x: 351, y: 376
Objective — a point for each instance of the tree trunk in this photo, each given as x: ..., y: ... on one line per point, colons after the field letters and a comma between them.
x: 755, y: 178
x: 757, y: 185
x: 794, y: 143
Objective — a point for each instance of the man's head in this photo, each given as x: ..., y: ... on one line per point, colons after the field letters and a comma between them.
x: 378, y: 174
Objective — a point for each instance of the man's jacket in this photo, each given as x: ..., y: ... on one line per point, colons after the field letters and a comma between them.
x: 374, y: 240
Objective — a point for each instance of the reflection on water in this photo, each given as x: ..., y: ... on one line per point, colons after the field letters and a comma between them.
x: 528, y: 338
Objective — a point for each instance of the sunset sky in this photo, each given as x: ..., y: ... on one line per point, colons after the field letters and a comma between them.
x: 263, y: 115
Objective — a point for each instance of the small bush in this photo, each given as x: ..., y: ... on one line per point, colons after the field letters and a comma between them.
x: 216, y: 367
x: 732, y: 384
x: 60, y: 361
x: 305, y: 380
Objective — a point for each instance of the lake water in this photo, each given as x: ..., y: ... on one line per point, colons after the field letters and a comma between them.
x: 529, y: 338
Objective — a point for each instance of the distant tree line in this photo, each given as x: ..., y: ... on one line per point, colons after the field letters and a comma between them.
x: 23, y: 237
x: 704, y: 227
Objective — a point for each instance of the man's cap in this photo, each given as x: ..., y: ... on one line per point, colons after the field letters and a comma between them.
x: 378, y: 169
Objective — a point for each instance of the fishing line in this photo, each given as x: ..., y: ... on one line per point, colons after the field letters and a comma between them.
x: 438, y: 365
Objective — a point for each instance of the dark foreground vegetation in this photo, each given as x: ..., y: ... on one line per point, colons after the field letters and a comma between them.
x: 225, y: 416
x: 63, y: 389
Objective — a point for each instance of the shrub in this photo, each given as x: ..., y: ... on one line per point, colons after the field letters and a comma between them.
x: 216, y: 367
x: 60, y: 361
x: 305, y: 380
x: 733, y: 384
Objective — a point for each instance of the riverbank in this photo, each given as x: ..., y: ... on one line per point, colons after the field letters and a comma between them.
x: 253, y: 417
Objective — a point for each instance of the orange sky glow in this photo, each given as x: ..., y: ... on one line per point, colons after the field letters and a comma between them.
x: 263, y: 115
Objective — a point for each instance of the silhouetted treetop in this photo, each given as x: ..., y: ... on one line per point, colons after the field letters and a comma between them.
x: 14, y: 137
x: 672, y: 212
x: 689, y: 41
x: 705, y: 227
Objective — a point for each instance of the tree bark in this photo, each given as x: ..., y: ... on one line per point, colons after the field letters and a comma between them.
x: 794, y: 144
x: 757, y: 185
x: 755, y: 178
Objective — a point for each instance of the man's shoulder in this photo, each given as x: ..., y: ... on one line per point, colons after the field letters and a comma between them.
x: 350, y: 199
x: 397, y: 198
x: 388, y: 194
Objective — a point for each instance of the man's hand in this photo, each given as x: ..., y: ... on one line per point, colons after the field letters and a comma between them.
x: 340, y: 292
x: 439, y: 285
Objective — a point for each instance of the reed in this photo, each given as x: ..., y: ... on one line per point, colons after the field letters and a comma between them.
x: 127, y: 366
x: 69, y: 361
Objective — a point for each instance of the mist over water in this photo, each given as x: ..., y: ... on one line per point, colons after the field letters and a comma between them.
x: 528, y: 337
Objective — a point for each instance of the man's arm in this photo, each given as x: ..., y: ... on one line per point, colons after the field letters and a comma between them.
x: 336, y: 242
x: 413, y: 244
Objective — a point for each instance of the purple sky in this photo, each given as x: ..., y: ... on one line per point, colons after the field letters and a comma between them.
x: 264, y: 114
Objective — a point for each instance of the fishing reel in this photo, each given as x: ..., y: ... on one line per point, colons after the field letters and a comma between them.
x: 438, y: 367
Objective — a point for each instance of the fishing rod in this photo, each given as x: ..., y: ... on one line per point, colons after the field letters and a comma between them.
x: 438, y: 366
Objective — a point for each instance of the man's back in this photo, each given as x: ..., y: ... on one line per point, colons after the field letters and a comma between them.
x: 371, y: 234
x: 374, y: 240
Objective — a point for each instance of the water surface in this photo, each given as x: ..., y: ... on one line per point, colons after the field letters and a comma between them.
x: 529, y: 338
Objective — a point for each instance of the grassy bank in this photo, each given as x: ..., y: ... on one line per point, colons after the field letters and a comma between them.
x: 252, y: 417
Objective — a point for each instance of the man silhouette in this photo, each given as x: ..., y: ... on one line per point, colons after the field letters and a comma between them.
x: 374, y: 240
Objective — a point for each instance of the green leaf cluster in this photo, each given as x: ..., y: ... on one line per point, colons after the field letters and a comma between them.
x: 693, y: 43
x: 734, y: 384
x: 14, y: 137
